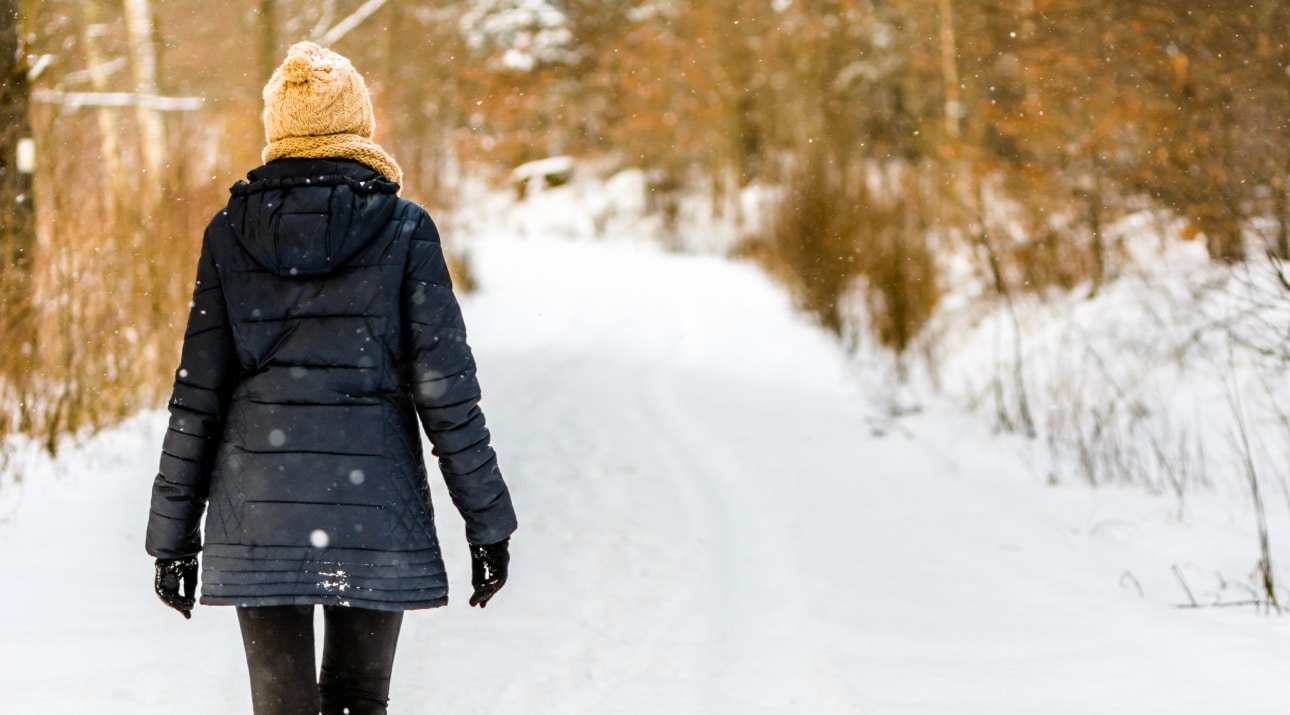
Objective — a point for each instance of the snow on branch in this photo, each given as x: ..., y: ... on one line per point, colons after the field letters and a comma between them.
x: 343, y: 27
x: 76, y: 100
x: 520, y: 34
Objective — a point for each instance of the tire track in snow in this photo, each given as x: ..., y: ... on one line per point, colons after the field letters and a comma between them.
x: 753, y: 664
x: 717, y: 620
x: 642, y: 596
x: 767, y: 657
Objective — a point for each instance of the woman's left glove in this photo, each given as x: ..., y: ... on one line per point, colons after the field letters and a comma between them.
x: 170, y: 572
x: 488, y: 563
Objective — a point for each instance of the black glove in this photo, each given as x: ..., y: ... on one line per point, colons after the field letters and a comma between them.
x: 169, y: 573
x: 488, y: 570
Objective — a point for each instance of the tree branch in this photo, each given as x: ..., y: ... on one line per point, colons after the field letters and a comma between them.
x: 1224, y: 604
x: 76, y: 100
x: 343, y: 27
x: 1276, y: 268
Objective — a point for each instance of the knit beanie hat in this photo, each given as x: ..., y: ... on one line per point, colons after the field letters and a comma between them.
x: 316, y: 106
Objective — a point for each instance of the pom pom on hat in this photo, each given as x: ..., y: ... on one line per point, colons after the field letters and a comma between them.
x: 297, y: 68
x: 316, y: 92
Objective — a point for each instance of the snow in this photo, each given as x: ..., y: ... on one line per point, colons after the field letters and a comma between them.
x: 552, y: 165
x: 527, y: 32
x: 1149, y: 377
x: 716, y: 517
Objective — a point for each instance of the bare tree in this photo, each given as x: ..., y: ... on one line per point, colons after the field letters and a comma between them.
x: 17, y: 215
x: 949, y: 69
x: 109, y: 127
x: 267, y: 39
x: 143, y: 55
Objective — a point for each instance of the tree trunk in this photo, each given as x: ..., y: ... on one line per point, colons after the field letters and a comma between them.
x: 152, y: 128
x: 1230, y: 245
x: 109, y: 128
x: 152, y: 148
x: 1281, y: 199
x: 17, y: 204
x: 1097, y: 245
x: 949, y: 70
x: 267, y: 40
x: 17, y: 221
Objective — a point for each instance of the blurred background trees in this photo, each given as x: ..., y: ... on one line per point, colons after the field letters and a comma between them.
x: 893, y: 132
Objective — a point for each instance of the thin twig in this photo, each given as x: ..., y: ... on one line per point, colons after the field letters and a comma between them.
x: 1252, y: 475
x: 1127, y: 576
x: 1276, y: 269
x: 324, y: 20
x: 1183, y: 581
x: 1224, y: 604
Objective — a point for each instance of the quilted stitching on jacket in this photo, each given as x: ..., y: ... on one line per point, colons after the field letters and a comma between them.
x: 310, y: 358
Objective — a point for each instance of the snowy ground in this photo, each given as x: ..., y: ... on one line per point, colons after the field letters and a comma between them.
x: 713, y: 520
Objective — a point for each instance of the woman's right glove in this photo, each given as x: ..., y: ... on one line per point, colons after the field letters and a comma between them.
x: 488, y: 564
x: 170, y: 572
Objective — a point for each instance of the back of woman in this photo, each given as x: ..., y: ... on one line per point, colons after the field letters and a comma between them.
x: 323, y: 329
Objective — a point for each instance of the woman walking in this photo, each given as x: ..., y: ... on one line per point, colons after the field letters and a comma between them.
x: 323, y: 327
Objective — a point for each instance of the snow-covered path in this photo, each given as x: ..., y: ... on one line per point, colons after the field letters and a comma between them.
x: 710, y: 524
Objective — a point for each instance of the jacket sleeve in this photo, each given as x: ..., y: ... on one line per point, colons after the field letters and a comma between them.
x: 204, y: 382
x: 440, y: 372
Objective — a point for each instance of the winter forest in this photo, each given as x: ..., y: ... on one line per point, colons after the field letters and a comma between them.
x: 844, y: 356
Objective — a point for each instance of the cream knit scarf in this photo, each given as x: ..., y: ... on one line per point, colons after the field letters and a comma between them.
x: 336, y: 146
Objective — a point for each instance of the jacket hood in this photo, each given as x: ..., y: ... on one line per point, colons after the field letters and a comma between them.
x: 308, y: 217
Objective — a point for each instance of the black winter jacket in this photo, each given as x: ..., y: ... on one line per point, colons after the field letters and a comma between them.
x: 323, y: 325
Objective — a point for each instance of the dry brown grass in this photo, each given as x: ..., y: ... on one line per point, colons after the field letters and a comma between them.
x: 1047, y: 259
x: 461, y: 272
x: 93, y: 329
x: 839, y: 229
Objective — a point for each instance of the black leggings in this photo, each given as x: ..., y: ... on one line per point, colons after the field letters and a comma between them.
x: 358, y: 655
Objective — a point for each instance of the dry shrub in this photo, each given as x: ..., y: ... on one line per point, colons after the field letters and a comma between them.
x: 899, y: 265
x: 461, y: 271
x: 1048, y: 259
x: 812, y: 245
x: 93, y: 329
x: 837, y: 229
x: 1050, y: 236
